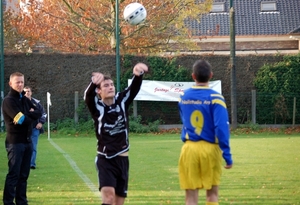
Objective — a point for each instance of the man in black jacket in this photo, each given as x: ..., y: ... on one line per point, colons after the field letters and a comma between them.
x: 19, y: 114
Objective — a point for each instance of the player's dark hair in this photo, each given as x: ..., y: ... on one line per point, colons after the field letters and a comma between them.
x: 105, y: 77
x: 202, y: 71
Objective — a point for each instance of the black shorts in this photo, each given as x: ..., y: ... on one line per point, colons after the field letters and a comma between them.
x: 113, y: 173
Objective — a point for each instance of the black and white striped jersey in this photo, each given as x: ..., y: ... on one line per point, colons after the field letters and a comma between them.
x: 111, y: 122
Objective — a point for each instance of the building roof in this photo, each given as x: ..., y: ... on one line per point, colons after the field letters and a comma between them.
x: 296, y: 31
x: 250, y: 20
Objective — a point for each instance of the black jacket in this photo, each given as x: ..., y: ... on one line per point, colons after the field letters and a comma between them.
x: 13, y: 104
x: 42, y: 119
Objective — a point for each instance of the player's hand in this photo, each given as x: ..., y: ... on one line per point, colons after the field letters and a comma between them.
x: 97, y: 78
x: 228, y: 166
x: 139, y: 69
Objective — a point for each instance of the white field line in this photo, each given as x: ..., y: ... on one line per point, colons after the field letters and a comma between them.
x: 86, y: 180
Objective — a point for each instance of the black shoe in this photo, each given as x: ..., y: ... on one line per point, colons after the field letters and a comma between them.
x: 32, y: 167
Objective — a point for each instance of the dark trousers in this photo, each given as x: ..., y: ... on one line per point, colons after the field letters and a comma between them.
x: 19, y: 156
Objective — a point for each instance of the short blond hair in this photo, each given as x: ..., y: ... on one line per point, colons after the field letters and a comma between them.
x: 15, y: 74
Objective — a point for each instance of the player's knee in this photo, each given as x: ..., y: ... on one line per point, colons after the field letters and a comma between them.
x: 108, y: 195
x: 212, y: 194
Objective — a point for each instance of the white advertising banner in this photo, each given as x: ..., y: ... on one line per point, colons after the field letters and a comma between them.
x: 167, y: 91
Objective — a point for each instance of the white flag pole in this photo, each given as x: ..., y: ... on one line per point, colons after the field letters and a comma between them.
x: 48, y: 111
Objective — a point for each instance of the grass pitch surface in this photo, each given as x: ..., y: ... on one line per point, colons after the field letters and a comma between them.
x: 266, y: 170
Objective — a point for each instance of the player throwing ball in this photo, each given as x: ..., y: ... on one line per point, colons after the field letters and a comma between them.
x: 205, y: 134
x: 110, y: 114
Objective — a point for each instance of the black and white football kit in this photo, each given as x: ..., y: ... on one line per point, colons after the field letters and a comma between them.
x: 111, y: 127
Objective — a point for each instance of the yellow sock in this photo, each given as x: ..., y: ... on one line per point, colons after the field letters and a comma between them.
x: 212, y: 203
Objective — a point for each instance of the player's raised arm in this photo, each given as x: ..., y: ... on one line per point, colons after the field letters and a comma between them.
x: 140, y: 69
x: 97, y: 78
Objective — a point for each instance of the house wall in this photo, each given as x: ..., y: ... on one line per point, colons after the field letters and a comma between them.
x: 260, y: 45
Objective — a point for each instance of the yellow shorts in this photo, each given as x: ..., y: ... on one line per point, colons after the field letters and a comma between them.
x: 200, y: 165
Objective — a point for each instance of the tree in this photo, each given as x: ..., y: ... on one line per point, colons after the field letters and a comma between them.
x: 89, y: 26
x: 13, y: 40
x: 277, y: 84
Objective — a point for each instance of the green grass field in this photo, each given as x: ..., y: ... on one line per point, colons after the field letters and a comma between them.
x: 266, y: 171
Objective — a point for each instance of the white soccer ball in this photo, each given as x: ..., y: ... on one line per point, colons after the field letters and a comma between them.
x: 135, y: 13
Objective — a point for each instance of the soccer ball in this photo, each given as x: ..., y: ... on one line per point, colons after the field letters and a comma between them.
x: 135, y: 13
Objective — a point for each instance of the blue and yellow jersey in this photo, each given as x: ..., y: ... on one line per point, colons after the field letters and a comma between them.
x: 204, y: 116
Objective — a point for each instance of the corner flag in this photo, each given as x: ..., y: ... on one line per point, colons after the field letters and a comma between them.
x: 48, y: 99
x: 48, y: 111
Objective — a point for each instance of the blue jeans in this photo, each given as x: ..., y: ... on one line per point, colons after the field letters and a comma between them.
x: 19, y: 156
x: 34, y: 137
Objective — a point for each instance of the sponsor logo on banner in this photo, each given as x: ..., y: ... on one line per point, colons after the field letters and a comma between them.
x: 167, y: 91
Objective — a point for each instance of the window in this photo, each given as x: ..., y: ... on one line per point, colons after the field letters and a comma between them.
x: 268, y: 6
x: 218, y: 7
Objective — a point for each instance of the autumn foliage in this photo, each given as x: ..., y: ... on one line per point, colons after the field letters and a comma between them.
x: 87, y: 26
